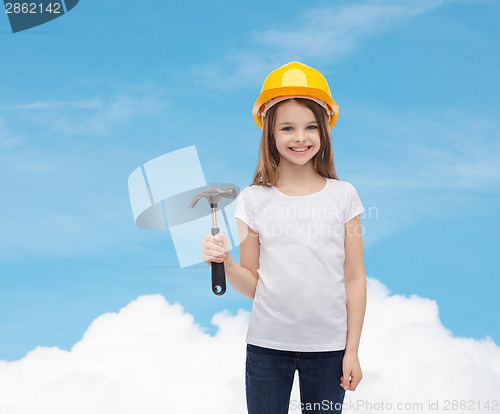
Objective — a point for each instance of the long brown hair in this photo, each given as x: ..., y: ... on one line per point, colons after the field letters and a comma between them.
x: 267, y: 172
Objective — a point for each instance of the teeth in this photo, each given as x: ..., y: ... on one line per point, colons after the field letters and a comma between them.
x: 299, y: 149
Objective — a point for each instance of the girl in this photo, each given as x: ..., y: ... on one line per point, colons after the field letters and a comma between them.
x: 300, y: 235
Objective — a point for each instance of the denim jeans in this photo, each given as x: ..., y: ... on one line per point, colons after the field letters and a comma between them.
x: 269, y: 378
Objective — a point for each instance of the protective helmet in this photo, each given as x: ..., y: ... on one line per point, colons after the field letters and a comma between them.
x: 294, y: 80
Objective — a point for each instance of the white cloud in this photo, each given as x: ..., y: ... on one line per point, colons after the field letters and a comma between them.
x: 62, y: 187
x: 8, y: 138
x: 98, y: 115
x: 445, y: 149
x: 325, y: 34
x: 415, y: 165
x: 152, y: 357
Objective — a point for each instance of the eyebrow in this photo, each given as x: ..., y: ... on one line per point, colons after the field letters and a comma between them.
x: 291, y: 123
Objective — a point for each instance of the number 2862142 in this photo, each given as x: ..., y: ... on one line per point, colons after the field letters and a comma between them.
x: 33, y: 8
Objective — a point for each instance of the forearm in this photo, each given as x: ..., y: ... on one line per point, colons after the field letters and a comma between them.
x: 240, y: 278
x: 355, y: 288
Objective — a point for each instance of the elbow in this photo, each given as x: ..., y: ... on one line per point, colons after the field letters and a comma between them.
x: 250, y: 294
x: 353, y: 271
x: 254, y: 286
x: 354, y: 276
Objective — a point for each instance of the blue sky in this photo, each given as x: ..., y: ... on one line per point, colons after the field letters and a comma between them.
x: 90, y: 96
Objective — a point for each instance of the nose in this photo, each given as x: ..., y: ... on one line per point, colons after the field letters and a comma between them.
x: 300, y: 138
x: 300, y: 135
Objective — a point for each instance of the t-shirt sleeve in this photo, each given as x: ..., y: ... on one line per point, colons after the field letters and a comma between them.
x: 353, y: 205
x: 243, y: 210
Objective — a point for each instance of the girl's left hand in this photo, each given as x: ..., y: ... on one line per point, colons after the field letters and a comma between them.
x: 351, y: 370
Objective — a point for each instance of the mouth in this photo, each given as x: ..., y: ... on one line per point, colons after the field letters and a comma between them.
x: 300, y: 150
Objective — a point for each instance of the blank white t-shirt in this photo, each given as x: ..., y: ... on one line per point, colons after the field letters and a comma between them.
x: 300, y: 300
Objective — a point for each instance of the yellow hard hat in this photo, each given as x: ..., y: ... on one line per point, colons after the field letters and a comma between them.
x: 294, y: 80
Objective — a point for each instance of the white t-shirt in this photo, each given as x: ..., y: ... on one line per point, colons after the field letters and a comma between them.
x: 300, y: 300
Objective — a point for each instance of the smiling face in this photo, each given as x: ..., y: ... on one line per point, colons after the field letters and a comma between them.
x: 296, y: 133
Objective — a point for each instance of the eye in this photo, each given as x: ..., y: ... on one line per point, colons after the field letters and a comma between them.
x: 314, y: 126
x: 285, y: 128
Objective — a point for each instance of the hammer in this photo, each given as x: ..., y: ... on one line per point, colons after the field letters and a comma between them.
x: 213, y: 195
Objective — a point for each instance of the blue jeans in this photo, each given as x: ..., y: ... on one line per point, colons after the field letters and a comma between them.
x: 269, y: 378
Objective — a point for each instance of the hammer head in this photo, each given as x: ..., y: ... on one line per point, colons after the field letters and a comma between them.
x: 213, y: 195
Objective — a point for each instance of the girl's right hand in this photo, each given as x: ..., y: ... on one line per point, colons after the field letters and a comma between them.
x: 214, y: 248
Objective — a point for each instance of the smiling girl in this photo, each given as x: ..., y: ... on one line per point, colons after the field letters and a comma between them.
x: 301, y: 253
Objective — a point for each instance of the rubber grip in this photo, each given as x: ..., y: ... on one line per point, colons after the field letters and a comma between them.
x: 218, y: 273
x: 218, y: 278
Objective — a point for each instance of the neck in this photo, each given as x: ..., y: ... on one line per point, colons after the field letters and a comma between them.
x: 296, y: 174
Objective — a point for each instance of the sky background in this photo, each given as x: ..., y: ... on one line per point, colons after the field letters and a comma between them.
x: 92, y: 95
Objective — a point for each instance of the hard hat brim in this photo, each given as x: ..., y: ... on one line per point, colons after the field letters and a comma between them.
x: 294, y: 90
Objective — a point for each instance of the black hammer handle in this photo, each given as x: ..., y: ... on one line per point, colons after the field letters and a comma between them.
x: 218, y: 273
